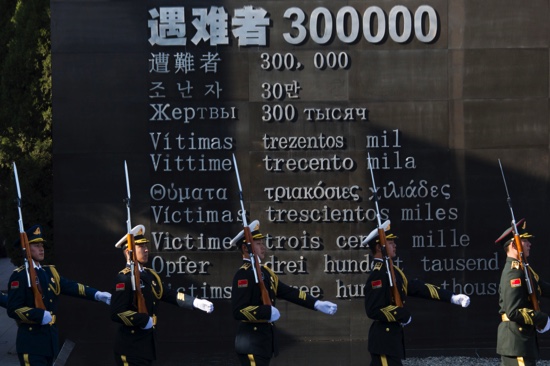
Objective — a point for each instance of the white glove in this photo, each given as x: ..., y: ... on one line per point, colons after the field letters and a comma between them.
x: 149, y: 324
x: 203, y: 305
x: 275, y: 315
x: 103, y: 297
x: 460, y: 299
x: 325, y: 307
x: 46, y: 318
x: 546, y: 327
x: 407, y: 322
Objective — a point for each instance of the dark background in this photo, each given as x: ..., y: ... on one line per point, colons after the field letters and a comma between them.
x: 477, y: 94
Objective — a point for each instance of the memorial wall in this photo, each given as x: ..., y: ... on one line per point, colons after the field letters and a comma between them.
x: 435, y: 92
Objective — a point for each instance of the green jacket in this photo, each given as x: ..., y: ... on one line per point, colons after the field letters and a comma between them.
x: 517, y: 334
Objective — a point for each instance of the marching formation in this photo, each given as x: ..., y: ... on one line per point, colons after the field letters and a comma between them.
x: 34, y: 291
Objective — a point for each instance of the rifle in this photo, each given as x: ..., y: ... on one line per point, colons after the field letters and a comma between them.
x: 519, y: 246
x: 248, y: 240
x: 64, y: 353
x: 27, y: 258
x: 134, y: 270
x: 382, y: 234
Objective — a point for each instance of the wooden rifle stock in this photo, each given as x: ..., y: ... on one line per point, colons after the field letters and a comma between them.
x: 266, y: 300
x: 38, y: 303
x: 140, y: 300
x: 396, y: 295
x: 528, y: 276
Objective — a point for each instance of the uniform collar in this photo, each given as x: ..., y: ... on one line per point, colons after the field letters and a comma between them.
x: 141, y: 268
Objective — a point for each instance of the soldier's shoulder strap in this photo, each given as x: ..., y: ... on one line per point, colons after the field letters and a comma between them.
x: 125, y: 271
x: 19, y: 269
x: 246, y: 265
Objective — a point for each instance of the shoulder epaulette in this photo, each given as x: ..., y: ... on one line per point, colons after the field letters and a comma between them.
x: 246, y: 265
x: 19, y: 269
x: 125, y: 271
x: 49, y: 265
x: 516, y: 265
x: 378, y: 266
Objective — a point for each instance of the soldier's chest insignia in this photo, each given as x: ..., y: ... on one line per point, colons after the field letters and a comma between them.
x: 376, y: 284
x: 120, y: 286
x: 516, y: 282
x: 242, y: 283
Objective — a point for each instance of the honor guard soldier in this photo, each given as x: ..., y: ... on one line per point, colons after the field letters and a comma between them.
x: 386, y: 337
x: 521, y: 320
x: 37, y: 336
x: 135, y: 341
x: 254, y: 342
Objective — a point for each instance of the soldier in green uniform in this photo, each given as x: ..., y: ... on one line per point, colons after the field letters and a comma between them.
x: 37, y: 335
x: 135, y: 340
x: 255, y: 342
x: 386, y: 337
x: 517, y: 333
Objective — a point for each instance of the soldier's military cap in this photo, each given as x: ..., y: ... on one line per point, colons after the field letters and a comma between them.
x: 254, y: 227
x: 505, y: 238
x: 34, y: 235
x: 139, y: 237
x: 374, y: 234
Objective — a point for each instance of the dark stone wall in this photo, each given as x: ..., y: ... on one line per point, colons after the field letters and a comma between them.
x: 436, y: 117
